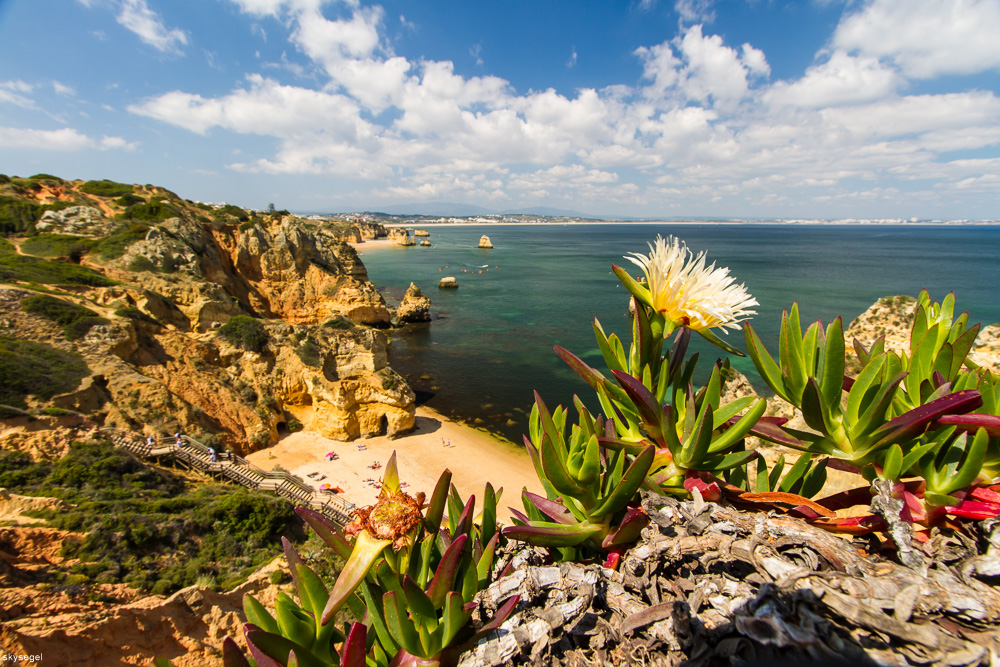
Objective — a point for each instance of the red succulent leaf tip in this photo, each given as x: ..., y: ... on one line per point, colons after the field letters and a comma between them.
x: 974, y: 510
x: 984, y: 494
x: 613, y: 560
x: 855, y: 525
x: 710, y: 492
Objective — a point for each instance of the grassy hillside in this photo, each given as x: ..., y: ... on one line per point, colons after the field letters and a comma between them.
x: 148, y: 527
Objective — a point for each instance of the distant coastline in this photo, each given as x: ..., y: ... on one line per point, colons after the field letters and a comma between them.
x: 845, y: 223
x: 389, y: 220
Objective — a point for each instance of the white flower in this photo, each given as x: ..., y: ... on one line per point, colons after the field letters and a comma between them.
x: 689, y: 293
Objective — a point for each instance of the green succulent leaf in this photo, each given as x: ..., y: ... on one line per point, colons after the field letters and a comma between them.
x: 400, y: 626
x: 294, y: 623
x: 764, y: 363
x: 833, y: 364
x: 435, y: 509
x: 549, y: 534
x: 630, y: 482
x: 418, y: 602
x: 640, y: 292
x: 367, y: 550
x: 256, y: 613
x: 718, y: 342
x: 893, y: 464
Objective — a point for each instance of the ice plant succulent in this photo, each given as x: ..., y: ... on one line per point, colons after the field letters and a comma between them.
x: 409, y: 580
x: 925, y: 420
x: 658, y: 431
x: 589, y: 488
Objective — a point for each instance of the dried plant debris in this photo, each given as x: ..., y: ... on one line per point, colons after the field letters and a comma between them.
x: 711, y: 585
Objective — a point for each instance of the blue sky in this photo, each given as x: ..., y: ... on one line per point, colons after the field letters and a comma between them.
x: 649, y: 108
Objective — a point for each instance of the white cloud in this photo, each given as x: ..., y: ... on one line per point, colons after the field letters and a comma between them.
x: 919, y: 114
x: 135, y: 15
x: 695, y: 11
x: 15, y: 92
x: 64, y: 139
x: 265, y: 108
x: 926, y: 38
x: 704, y: 125
x: 843, y: 79
x: 63, y: 89
x: 701, y: 68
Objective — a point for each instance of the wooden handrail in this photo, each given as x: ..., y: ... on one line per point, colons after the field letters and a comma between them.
x: 237, y: 469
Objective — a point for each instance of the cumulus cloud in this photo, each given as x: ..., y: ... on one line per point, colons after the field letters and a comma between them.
x: 701, y: 68
x: 925, y: 38
x: 135, y: 15
x: 705, y: 122
x: 842, y: 79
x: 64, y: 139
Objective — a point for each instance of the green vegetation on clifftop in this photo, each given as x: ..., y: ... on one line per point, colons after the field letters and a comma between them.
x: 147, y: 527
x: 28, y: 368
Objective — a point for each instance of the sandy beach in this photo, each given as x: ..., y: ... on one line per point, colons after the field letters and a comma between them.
x: 473, y: 456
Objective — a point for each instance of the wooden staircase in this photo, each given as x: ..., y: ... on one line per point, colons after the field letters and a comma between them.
x: 194, y: 455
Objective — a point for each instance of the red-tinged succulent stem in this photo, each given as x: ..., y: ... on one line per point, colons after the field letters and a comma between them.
x: 353, y: 653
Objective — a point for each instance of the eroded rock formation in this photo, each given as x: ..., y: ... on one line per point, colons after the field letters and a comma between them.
x: 415, y: 307
x: 160, y: 360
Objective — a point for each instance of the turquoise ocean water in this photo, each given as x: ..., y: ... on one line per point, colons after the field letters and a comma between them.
x: 491, y: 342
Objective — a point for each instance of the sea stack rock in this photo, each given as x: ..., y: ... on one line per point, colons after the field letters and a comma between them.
x: 421, y: 232
x: 484, y: 241
x: 400, y: 236
x: 449, y: 282
x: 415, y: 307
x: 425, y: 243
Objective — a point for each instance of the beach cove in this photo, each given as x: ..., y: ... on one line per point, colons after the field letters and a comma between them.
x: 474, y: 457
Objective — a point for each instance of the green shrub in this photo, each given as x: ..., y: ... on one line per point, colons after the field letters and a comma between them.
x: 28, y: 368
x: 142, y: 263
x: 245, y: 332
x: 129, y: 200
x: 308, y: 352
x: 48, y: 272
x: 75, y: 320
x: 234, y: 211
x: 46, y: 177
x: 18, y: 216
x: 4, y: 178
x: 106, y: 188
x: 293, y: 425
x: 57, y: 245
x: 338, y: 322
x: 151, y: 211
x: 113, y: 245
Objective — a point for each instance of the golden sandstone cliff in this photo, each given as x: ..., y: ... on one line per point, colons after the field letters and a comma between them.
x: 159, y: 359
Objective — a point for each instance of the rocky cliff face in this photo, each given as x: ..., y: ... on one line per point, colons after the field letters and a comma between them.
x: 160, y: 362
